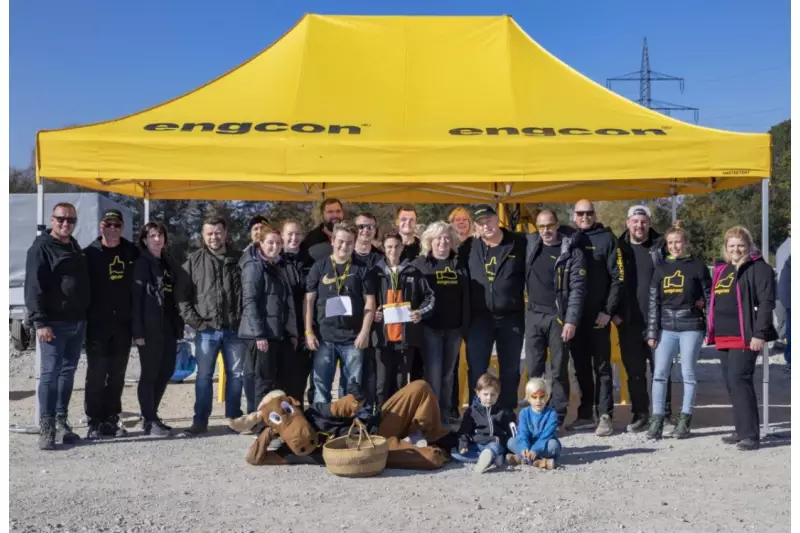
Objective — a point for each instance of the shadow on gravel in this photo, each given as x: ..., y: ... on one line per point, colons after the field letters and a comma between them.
x: 137, y: 436
x: 570, y: 456
x: 16, y: 395
x: 777, y: 440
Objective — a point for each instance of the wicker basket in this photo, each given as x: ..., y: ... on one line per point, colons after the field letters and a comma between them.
x: 349, y: 456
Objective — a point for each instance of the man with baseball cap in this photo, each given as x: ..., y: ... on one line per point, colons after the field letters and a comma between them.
x: 495, y: 263
x: 642, y: 251
x: 108, y: 330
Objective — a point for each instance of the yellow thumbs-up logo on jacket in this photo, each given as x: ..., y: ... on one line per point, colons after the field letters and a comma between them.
x: 116, y: 270
x: 673, y: 284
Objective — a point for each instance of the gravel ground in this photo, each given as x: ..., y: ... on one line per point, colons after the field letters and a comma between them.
x: 619, y: 483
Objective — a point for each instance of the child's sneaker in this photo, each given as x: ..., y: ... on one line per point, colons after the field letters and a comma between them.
x: 513, y: 460
x: 485, y: 460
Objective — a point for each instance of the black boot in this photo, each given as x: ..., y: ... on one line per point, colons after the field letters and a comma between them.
x: 64, y: 433
x: 656, y: 427
x: 47, y: 433
x: 681, y: 430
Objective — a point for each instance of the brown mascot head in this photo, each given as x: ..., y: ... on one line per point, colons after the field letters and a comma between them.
x: 284, y: 418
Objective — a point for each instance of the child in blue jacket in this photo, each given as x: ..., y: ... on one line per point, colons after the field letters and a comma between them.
x: 537, y: 441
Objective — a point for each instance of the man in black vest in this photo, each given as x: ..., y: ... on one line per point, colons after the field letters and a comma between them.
x: 555, y: 278
x: 108, y: 330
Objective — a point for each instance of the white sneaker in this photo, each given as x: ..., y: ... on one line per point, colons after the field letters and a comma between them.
x: 485, y: 460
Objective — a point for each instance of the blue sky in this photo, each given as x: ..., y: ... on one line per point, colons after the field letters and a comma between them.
x: 80, y: 62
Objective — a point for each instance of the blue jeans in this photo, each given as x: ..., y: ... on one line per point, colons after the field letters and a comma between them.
x: 440, y: 354
x: 207, y: 345
x: 688, y: 343
x: 552, y: 450
x: 57, y: 371
x: 324, y: 368
x: 787, y: 354
x: 475, y: 450
x: 508, y: 332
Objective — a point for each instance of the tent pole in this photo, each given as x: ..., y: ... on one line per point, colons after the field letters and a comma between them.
x: 765, y: 430
x: 674, y: 208
x: 146, y: 209
x: 40, y: 229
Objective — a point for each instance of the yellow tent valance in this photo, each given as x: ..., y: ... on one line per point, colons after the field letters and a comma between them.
x: 402, y: 109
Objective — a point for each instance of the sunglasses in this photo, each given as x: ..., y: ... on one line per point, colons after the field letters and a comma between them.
x: 546, y: 227
x: 68, y: 220
x: 585, y: 213
x: 366, y: 226
x: 115, y: 225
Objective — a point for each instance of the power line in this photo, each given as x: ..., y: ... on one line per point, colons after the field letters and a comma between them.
x: 743, y: 74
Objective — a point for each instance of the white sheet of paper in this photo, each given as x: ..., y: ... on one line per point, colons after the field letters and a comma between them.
x: 398, y: 314
x: 338, y: 306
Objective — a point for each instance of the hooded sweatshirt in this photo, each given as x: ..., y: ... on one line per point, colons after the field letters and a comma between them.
x: 111, y: 279
x: 56, y: 281
x: 605, y: 272
x: 535, y: 429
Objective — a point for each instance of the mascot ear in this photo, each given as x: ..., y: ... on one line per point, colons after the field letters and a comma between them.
x: 295, y: 402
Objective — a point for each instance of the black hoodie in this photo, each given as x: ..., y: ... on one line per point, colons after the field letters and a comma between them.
x: 505, y: 264
x: 111, y: 278
x: 154, y: 308
x: 639, y: 264
x: 56, y: 281
x: 605, y: 272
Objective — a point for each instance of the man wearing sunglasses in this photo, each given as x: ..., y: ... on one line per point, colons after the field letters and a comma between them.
x: 555, y: 278
x: 56, y: 297
x: 364, y: 250
x: 591, y: 347
x: 108, y: 328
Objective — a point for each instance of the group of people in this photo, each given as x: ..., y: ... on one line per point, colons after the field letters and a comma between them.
x: 393, y: 308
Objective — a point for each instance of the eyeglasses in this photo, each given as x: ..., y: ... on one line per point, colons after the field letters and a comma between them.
x: 114, y: 225
x: 546, y: 227
x: 584, y: 213
x: 68, y: 220
x: 365, y: 226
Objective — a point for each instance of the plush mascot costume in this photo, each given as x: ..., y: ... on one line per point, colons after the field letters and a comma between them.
x: 414, y: 408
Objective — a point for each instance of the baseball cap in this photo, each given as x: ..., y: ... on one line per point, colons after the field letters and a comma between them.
x: 639, y: 210
x: 258, y: 219
x: 112, y: 214
x: 483, y: 210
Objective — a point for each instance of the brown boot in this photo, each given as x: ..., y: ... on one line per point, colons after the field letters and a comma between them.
x: 549, y: 464
x: 513, y: 460
x: 540, y: 463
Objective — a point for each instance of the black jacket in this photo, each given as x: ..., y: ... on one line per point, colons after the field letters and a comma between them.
x: 505, y: 295
x: 755, y: 281
x: 296, y: 267
x: 315, y: 236
x: 631, y: 281
x: 268, y: 305
x: 149, y: 314
x: 415, y: 289
x: 483, y: 425
x: 56, y: 281
x: 605, y: 271
x: 111, y: 279
x: 211, y: 296
x: 691, y: 276
x: 426, y: 265
x: 570, y: 275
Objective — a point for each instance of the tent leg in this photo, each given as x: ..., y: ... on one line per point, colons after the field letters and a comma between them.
x: 765, y: 429
x: 146, y: 210
x: 40, y: 229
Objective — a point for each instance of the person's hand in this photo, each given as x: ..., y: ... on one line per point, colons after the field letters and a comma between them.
x: 312, y: 342
x: 262, y: 345
x: 617, y: 320
x: 45, y: 334
x: 568, y: 332
x: 138, y: 342
x: 602, y: 320
x: 528, y: 455
x: 756, y: 344
x: 462, y: 451
x: 378, y: 317
x: 416, y: 317
x: 652, y: 343
x: 362, y: 341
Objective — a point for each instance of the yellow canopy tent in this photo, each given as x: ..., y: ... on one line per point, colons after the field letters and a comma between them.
x: 402, y: 109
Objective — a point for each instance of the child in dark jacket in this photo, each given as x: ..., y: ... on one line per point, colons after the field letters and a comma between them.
x: 485, y: 427
x: 537, y: 440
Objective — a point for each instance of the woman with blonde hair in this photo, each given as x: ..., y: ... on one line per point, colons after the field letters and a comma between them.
x: 461, y: 220
x: 679, y: 292
x: 442, y: 330
x: 740, y: 322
